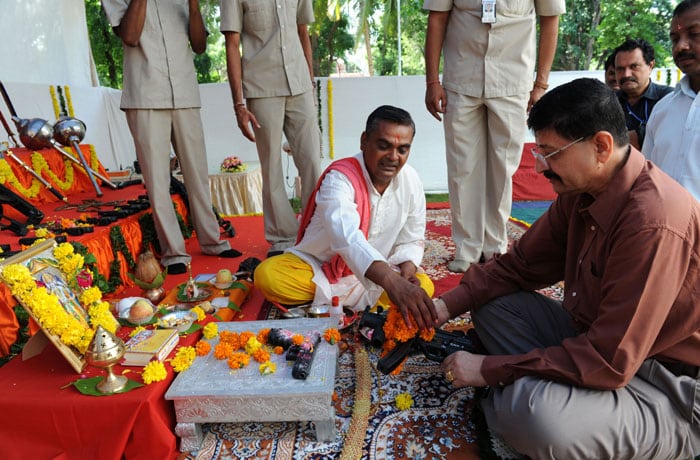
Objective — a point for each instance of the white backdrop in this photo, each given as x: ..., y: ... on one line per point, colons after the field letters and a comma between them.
x: 352, y: 101
x: 46, y: 43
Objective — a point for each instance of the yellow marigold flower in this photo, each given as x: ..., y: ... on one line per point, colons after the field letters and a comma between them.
x: 210, y: 331
x: 136, y: 330
x: 63, y: 250
x: 252, y: 345
x: 332, y: 336
x: 267, y: 368
x: 238, y: 360
x: 261, y: 355
x: 404, y: 401
x: 203, y: 347
x: 90, y: 295
x: 199, y: 312
x: 42, y: 232
x: 154, y: 372
x: 223, y: 350
x: 184, y: 357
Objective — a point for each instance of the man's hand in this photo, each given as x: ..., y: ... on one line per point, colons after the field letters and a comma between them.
x: 406, y: 295
x: 435, y: 99
x: 463, y: 369
x: 535, y: 96
x: 245, y: 119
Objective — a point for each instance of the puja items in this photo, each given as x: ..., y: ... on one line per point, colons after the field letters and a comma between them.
x: 105, y: 350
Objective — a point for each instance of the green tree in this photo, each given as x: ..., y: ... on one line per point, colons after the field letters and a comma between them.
x: 577, y: 35
x: 106, y: 46
x: 591, y: 29
x: 647, y: 19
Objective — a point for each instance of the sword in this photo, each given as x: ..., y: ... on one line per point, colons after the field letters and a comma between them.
x: 5, y: 151
x: 10, y: 134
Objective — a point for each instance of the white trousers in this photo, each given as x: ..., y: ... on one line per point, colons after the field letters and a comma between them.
x: 483, y: 141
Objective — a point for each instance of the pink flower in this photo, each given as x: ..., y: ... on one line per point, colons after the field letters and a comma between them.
x: 84, y: 279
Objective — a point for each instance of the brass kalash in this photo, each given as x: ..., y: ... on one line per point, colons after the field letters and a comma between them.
x: 105, y: 350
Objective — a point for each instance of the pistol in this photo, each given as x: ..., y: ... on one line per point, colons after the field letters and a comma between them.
x: 443, y: 344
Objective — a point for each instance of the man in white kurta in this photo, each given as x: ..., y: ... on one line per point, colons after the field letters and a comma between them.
x: 387, y: 258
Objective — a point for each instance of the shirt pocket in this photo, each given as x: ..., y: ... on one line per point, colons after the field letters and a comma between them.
x: 257, y: 14
x: 515, y: 7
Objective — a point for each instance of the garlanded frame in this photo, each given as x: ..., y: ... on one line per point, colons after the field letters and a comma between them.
x: 44, y: 269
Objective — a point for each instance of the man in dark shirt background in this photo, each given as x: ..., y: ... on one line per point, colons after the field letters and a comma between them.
x: 634, y: 61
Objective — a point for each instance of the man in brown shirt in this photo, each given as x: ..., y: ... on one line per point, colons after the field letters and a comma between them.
x: 611, y: 370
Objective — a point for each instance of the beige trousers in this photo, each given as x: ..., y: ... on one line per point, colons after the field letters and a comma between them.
x: 296, y: 117
x: 153, y: 131
x: 483, y: 141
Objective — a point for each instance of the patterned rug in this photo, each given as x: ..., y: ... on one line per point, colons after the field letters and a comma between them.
x: 443, y: 423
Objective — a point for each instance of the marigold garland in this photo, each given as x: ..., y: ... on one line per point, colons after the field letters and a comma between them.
x: 396, y: 330
x: 54, y: 101
x: 331, y: 140
x: 47, y: 308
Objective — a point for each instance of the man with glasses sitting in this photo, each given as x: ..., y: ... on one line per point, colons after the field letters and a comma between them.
x: 611, y: 370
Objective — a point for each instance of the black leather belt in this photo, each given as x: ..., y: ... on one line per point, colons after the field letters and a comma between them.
x: 681, y: 369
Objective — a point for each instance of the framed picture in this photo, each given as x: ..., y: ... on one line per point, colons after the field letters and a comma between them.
x: 44, y: 269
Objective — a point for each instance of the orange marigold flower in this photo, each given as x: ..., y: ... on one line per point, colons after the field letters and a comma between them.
x: 335, y: 396
x: 202, y: 348
x: 261, y: 355
x: 223, y: 350
x: 244, y: 337
x: 230, y: 337
x: 262, y: 335
x: 332, y: 336
x: 297, y: 339
x: 278, y: 350
x: 238, y: 360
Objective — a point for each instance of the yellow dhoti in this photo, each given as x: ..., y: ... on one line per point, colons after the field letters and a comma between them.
x: 288, y: 280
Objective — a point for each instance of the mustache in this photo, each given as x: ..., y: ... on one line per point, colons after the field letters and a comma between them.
x: 551, y: 175
x: 625, y: 80
x: 685, y: 55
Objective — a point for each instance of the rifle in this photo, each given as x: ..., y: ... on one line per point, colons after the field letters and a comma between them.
x: 443, y: 344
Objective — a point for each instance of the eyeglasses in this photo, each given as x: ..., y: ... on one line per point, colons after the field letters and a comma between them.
x: 542, y: 157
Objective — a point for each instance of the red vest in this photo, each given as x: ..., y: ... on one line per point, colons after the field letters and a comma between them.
x: 336, y: 268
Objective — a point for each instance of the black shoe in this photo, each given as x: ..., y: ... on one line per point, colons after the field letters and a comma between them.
x: 230, y: 253
x: 176, y: 269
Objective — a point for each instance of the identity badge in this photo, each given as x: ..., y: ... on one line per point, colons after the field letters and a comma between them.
x: 488, y: 11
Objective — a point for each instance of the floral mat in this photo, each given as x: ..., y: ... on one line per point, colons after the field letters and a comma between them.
x: 443, y: 423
